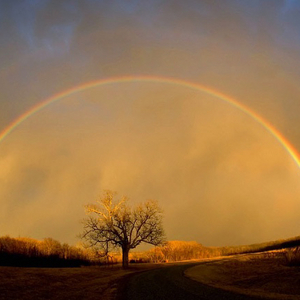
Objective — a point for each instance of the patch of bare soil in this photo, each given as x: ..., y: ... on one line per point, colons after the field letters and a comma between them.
x: 264, y: 275
x: 63, y: 283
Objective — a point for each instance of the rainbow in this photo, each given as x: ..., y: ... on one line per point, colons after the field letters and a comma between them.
x: 195, y: 86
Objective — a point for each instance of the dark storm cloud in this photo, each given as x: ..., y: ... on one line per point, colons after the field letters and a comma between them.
x: 44, y: 24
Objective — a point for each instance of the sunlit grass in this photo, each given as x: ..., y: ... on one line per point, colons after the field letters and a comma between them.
x: 258, y: 274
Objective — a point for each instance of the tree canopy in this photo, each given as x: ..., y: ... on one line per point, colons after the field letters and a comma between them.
x: 113, y: 223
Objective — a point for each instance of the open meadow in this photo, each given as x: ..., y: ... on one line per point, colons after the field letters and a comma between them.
x: 259, y: 274
x: 63, y: 283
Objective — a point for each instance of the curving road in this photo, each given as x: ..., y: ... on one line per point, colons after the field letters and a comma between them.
x: 169, y: 283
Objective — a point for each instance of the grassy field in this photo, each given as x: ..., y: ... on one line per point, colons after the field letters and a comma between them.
x: 63, y: 283
x: 264, y: 274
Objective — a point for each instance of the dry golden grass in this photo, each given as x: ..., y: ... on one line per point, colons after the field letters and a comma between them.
x: 253, y: 274
x: 63, y: 283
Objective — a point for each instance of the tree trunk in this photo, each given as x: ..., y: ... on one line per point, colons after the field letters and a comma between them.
x: 125, y: 254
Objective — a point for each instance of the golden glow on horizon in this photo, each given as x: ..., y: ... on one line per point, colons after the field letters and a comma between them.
x: 114, y: 80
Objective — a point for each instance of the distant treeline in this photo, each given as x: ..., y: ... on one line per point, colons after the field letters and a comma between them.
x: 261, y: 247
x: 28, y: 252
x: 180, y: 250
x: 173, y: 251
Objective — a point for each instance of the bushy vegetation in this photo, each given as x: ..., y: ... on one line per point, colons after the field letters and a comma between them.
x: 173, y: 251
x: 46, y: 253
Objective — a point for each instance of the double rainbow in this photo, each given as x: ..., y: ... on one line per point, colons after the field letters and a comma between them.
x: 195, y: 86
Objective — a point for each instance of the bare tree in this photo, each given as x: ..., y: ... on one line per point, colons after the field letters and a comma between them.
x: 115, y: 224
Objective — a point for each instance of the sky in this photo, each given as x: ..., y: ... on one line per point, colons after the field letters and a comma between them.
x: 221, y: 177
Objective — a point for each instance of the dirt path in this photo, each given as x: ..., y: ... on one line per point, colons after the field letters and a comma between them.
x: 170, y: 283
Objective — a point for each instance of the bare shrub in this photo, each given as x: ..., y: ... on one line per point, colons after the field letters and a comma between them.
x: 292, y: 256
